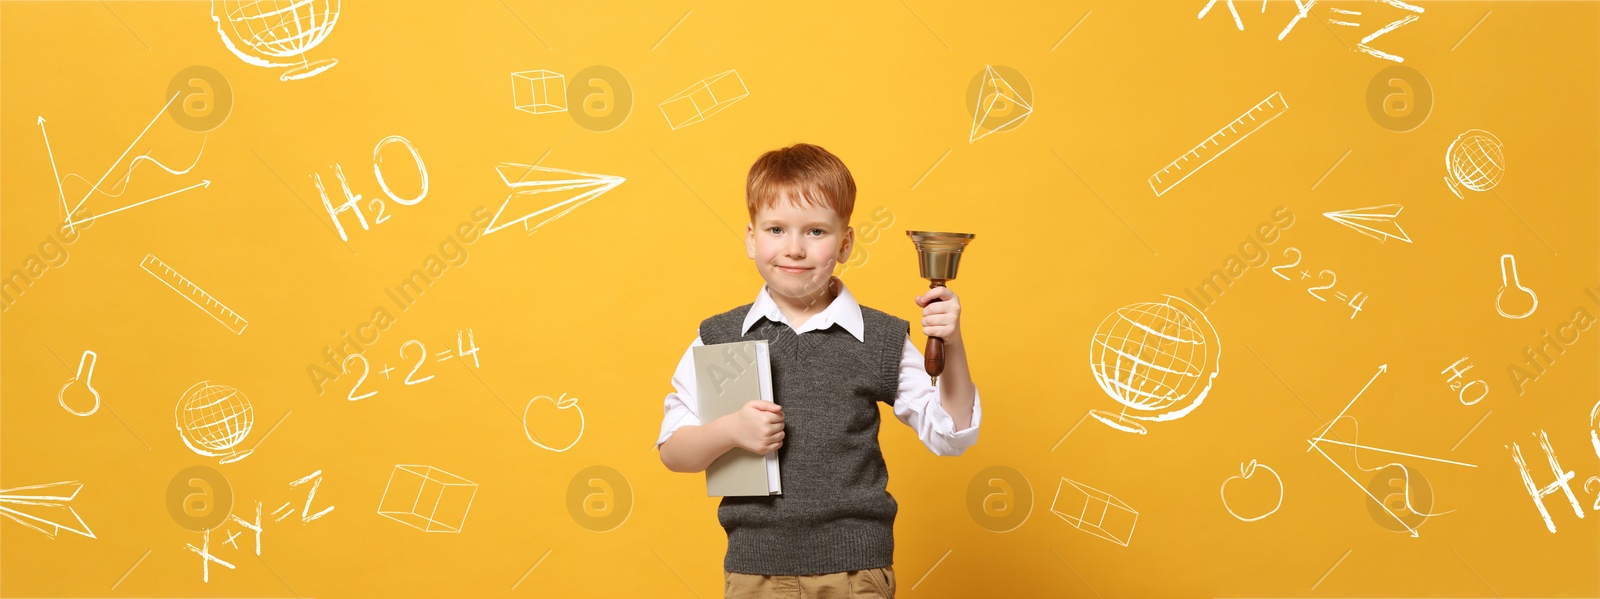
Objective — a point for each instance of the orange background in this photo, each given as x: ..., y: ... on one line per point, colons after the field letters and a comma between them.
x: 600, y: 304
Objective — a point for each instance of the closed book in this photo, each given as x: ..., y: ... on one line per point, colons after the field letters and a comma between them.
x: 729, y: 375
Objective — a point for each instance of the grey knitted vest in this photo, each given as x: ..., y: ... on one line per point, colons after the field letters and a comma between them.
x: 835, y: 513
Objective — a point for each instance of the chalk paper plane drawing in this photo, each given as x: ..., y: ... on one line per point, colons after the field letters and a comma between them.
x: 44, y: 508
x: 999, y: 106
x: 536, y: 190
x: 1321, y: 438
x: 1094, y: 511
x: 277, y: 30
x: 119, y: 187
x: 1218, y: 143
x: 1377, y: 222
x: 705, y: 98
x: 197, y: 296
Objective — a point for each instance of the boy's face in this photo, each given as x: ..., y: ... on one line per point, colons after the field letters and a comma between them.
x: 796, y: 247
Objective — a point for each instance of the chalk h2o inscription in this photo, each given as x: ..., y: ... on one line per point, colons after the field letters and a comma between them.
x: 353, y: 203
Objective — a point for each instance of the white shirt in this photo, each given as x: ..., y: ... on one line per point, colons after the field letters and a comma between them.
x: 916, y: 404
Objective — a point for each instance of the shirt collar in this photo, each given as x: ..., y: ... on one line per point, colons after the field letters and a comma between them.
x: 844, y: 311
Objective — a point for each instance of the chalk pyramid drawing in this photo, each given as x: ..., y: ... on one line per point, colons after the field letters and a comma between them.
x: 44, y: 508
x: 536, y: 190
x: 1377, y: 222
x: 985, y: 119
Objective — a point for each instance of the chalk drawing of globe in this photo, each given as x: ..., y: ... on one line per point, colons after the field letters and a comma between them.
x: 1157, y: 359
x: 277, y: 29
x: 1475, y: 160
x: 214, y: 419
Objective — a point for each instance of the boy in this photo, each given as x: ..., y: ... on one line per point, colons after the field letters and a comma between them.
x: 831, y: 532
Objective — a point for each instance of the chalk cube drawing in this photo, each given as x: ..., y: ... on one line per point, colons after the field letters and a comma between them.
x: 427, y: 498
x: 539, y: 91
x: 703, y: 99
x: 1094, y: 511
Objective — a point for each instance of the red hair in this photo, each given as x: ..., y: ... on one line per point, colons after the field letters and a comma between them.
x: 811, y: 176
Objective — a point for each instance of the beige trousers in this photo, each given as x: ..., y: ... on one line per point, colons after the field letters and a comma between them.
x: 876, y: 583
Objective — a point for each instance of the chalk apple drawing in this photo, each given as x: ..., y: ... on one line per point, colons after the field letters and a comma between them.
x: 1245, y: 472
x: 564, y: 403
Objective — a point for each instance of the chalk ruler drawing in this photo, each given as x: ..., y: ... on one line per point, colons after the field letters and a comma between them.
x: 197, y: 296
x: 1218, y: 144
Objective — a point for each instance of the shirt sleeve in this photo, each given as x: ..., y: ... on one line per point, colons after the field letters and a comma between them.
x: 917, y: 405
x: 681, y: 409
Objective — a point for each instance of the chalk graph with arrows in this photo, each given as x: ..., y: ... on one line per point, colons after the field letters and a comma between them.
x: 118, y: 188
x: 1321, y: 438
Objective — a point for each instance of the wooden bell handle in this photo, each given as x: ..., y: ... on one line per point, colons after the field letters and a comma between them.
x: 933, y: 353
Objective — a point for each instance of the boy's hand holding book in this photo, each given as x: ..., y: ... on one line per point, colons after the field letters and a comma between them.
x: 757, y: 427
